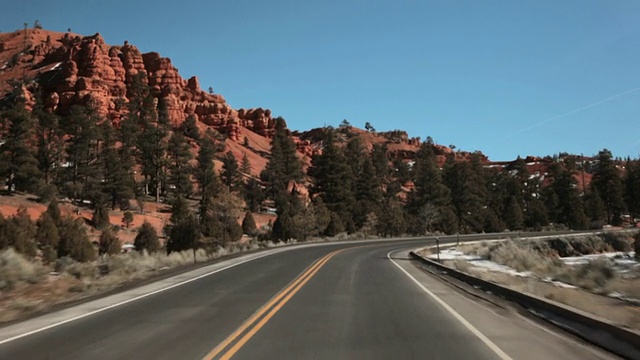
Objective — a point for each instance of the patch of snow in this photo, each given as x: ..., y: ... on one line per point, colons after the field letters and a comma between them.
x: 559, y: 283
x: 484, y: 264
x: 56, y: 66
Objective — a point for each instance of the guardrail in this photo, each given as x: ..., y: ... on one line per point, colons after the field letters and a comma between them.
x: 620, y: 341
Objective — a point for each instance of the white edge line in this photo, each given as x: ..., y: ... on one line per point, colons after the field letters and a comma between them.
x: 16, y: 337
x: 501, y: 354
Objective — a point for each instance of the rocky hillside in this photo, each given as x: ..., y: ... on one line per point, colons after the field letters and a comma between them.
x: 68, y: 69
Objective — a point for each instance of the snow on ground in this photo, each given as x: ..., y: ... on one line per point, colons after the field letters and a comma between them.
x: 484, y: 264
x: 624, y: 262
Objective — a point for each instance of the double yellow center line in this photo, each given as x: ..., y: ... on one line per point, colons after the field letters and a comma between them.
x: 252, y: 325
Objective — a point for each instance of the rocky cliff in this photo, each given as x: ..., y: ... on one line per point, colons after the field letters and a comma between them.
x: 72, y: 69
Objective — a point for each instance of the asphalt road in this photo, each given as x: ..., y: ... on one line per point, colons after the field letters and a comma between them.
x: 339, y: 301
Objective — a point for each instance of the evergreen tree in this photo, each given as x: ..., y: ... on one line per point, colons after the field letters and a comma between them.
x: 230, y: 174
x: 74, y: 241
x: 82, y: 139
x: 283, y: 165
x: 536, y: 214
x: 147, y: 239
x: 595, y: 208
x: 220, y: 220
x: 249, y: 224
x: 4, y: 235
x: 606, y: 179
x: 563, y: 201
x: 179, y: 165
x: 205, y: 174
x: 47, y: 234
x: 19, y: 232
x: 513, y: 216
x: 190, y: 129
x: 183, y: 232
x: 53, y: 210
x: 253, y: 194
x: 391, y: 219
x: 380, y: 163
x: 127, y: 218
x: 632, y: 188
x: 468, y: 193
x: 117, y: 178
x: 50, y: 145
x: 109, y: 243
x: 333, y: 178
x: 335, y: 225
x: 245, y: 165
x: 285, y: 227
x: 18, y: 162
x: 100, y: 219
x: 430, y: 202
x: 153, y: 148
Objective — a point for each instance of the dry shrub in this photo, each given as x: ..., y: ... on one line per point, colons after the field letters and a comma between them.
x: 15, y: 268
x: 462, y: 265
x: 82, y: 270
x: 618, y: 241
x: 521, y: 257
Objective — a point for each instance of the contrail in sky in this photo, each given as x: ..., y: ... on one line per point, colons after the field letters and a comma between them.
x: 574, y: 111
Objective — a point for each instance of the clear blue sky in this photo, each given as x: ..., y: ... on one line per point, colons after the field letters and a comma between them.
x: 477, y: 74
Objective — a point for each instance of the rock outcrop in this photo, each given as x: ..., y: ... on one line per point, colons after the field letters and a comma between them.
x: 85, y: 70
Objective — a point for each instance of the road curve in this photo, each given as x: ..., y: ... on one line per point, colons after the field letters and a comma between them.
x: 337, y: 301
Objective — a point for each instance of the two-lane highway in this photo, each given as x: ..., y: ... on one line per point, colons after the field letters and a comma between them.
x: 337, y: 301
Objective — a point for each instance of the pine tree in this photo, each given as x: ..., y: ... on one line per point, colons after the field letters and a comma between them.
x: 468, y: 193
x: 20, y: 232
x: 283, y: 165
x: 117, y: 179
x: 513, y: 216
x: 127, y: 218
x: 183, y: 232
x: 205, y: 175
x: 50, y: 145
x: 220, y: 220
x: 74, y: 241
x: 429, y: 204
x: 47, y: 234
x: 391, y: 220
x: 606, y: 179
x: 595, y: 208
x: 109, y: 243
x: 153, y: 147
x: 100, y: 219
x: 536, y: 215
x: 253, y: 194
x: 179, y: 167
x: 147, y: 239
x: 249, y: 224
x: 82, y: 138
x: 563, y: 201
x: 380, y: 163
x: 335, y: 225
x: 285, y: 227
x: 18, y: 162
x: 230, y: 174
x: 632, y: 188
x: 53, y: 210
x: 333, y: 178
x: 245, y: 165
x: 190, y: 129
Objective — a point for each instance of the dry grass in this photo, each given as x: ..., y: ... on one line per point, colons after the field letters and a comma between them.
x: 15, y: 269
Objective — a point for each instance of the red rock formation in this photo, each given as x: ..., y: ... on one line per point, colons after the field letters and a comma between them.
x: 80, y: 70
